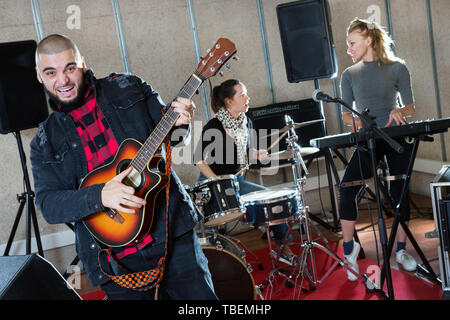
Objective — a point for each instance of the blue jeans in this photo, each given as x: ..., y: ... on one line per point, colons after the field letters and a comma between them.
x: 279, y: 230
x: 187, y: 275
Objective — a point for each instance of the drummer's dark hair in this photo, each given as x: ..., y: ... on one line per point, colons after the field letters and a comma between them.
x: 221, y: 92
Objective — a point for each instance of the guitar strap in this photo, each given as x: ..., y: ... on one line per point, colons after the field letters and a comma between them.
x: 143, y: 280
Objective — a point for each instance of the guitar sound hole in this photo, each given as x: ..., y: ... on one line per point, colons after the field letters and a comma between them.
x: 134, y: 179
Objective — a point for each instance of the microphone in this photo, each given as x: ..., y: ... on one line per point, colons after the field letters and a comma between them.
x: 320, y: 96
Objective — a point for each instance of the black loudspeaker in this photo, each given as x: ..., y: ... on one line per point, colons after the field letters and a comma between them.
x: 307, y: 41
x: 31, y: 277
x: 22, y: 99
x: 272, y: 117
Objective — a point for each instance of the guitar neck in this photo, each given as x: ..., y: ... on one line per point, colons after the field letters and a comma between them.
x: 164, y: 126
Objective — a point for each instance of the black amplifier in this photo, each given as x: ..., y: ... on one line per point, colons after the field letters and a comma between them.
x: 272, y: 117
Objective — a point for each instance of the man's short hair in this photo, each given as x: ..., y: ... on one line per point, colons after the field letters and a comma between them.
x: 54, y: 44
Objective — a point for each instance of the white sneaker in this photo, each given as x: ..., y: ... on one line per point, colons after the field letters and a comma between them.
x: 406, y: 260
x: 351, y: 261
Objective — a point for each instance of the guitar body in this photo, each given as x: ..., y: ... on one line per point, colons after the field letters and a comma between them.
x: 115, y: 228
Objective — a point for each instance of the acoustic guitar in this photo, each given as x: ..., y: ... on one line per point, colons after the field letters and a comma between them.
x: 115, y: 228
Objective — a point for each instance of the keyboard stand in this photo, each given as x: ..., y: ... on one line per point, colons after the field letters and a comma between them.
x: 398, y: 220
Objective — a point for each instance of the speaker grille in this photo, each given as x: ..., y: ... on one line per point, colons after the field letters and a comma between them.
x: 306, y: 39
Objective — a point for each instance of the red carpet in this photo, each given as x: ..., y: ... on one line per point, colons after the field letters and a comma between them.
x: 337, y: 287
x: 95, y: 295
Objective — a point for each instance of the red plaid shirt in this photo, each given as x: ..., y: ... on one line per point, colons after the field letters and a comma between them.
x: 99, y: 146
x: 96, y: 136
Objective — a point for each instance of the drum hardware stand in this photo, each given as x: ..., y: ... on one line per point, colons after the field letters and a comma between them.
x: 307, y: 254
x: 306, y: 258
x: 276, y: 270
x: 303, y: 213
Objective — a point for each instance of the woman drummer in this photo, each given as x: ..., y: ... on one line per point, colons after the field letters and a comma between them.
x: 227, y: 146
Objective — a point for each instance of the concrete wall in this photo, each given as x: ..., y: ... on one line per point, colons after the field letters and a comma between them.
x: 159, y: 38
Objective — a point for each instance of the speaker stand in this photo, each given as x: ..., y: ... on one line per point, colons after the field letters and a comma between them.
x: 26, y: 199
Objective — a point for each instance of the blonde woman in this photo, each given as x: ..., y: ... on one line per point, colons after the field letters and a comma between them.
x: 375, y: 81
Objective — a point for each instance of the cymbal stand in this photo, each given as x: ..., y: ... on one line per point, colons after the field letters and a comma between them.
x: 305, y: 267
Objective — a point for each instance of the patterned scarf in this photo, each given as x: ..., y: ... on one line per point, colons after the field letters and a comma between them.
x: 238, y: 127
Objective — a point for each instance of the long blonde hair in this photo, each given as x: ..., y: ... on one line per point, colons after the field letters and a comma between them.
x: 381, y: 41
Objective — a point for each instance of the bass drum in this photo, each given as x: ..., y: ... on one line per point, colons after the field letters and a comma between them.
x: 229, y: 271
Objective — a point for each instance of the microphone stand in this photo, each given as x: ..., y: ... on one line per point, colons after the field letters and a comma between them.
x: 369, y: 131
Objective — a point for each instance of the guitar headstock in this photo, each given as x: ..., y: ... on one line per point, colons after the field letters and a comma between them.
x: 220, y: 53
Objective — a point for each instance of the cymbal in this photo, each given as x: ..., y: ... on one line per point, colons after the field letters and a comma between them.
x: 295, y: 126
x: 288, y: 154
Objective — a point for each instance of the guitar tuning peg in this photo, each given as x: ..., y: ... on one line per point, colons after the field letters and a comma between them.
x: 208, y: 50
x: 236, y: 58
x: 221, y: 73
x: 227, y: 65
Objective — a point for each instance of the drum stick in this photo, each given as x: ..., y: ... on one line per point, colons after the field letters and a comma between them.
x: 241, y: 171
x: 276, y: 141
x: 268, y: 149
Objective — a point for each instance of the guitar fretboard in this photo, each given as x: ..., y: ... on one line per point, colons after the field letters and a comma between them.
x: 164, y: 126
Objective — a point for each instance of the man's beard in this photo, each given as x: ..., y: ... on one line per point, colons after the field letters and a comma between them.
x: 67, y: 106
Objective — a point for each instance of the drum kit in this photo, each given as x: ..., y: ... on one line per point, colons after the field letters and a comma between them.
x: 219, y: 201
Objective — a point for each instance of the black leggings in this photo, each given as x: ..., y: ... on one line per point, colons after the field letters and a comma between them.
x: 397, y: 163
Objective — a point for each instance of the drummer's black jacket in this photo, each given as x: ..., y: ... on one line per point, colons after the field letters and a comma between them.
x: 216, y: 146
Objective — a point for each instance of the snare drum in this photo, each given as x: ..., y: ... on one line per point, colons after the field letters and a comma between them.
x: 219, y: 199
x: 273, y: 206
x: 230, y: 273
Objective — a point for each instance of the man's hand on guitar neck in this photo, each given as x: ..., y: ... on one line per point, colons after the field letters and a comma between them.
x: 116, y: 195
x: 185, y: 108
